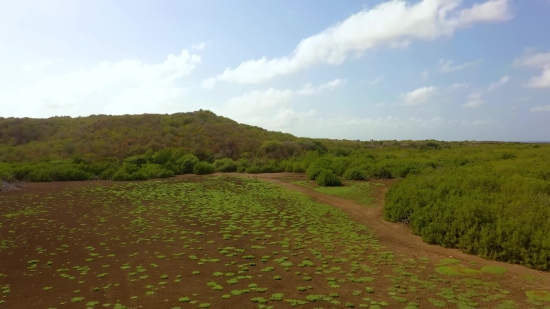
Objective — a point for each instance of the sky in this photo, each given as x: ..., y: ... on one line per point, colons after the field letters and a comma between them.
x: 372, y: 69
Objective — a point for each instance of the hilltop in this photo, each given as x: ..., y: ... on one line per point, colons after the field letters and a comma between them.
x: 201, y: 133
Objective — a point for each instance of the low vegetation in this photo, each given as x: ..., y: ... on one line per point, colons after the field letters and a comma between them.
x: 212, y: 242
x: 489, y: 199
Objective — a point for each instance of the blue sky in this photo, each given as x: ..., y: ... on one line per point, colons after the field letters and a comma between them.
x: 382, y: 69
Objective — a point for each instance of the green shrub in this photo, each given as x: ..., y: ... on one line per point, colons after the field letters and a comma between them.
x: 225, y: 165
x: 121, y: 175
x: 491, y: 211
x: 6, y: 174
x: 108, y: 173
x: 139, y: 175
x: 380, y: 172
x: 151, y: 170
x: 130, y: 168
x: 328, y: 178
x: 68, y: 173
x: 253, y: 169
x: 354, y: 174
x: 185, y: 164
x: 135, y: 160
x: 313, y: 172
x: 298, y: 167
x: 242, y: 165
x: 39, y: 175
x: 203, y: 168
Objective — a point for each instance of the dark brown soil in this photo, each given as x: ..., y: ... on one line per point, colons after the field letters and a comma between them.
x: 55, y: 235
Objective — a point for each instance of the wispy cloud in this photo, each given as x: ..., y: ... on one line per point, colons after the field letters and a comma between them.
x: 458, y: 86
x: 539, y: 61
x: 418, y: 96
x: 475, y: 98
x: 540, y: 108
x: 447, y: 66
x: 258, y: 101
x: 29, y: 67
x: 201, y: 45
x: 308, y: 89
x: 498, y: 84
x: 110, y: 88
x: 376, y: 81
x: 388, y: 24
x: 424, y: 75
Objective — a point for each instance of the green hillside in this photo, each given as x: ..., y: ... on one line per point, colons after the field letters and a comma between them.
x: 201, y: 133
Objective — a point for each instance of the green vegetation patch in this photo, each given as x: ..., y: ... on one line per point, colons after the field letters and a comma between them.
x: 538, y: 295
x: 494, y: 270
x: 456, y: 271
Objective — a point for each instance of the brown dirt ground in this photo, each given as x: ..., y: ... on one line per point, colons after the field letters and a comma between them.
x: 26, y: 291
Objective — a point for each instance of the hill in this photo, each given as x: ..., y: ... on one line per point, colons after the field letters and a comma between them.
x: 201, y: 133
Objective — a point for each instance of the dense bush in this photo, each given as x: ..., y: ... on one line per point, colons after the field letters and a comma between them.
x: 151, y: 170
x: 186, y: 164
x: 203, y: 168
x: 313, y: 172
x: 225, y: 165
x: 354, y: 174
x: 485, y: 210
x: 253, y: 170
x: 328, y: 178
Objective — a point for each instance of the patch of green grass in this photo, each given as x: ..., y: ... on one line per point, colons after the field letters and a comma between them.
x: 494, y: 270
x: 456, y: 271
x: 538, y: 295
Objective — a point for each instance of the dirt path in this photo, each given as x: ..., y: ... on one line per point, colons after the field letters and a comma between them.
x: 398, y: 238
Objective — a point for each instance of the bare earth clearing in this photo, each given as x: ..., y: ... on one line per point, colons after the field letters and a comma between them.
x: 233, y: 242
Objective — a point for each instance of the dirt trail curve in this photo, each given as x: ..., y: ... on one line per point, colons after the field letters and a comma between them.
x: 397, y: 237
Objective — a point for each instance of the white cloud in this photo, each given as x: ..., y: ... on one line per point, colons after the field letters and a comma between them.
x: 538, y: 61
x: 308, y: 89
x: 418, y: 96
x: 542, y: 81
x: 479, y: 122
x: 376, y: 81
x: 474, y: 100
x: 447, y: 66
x: 498, y: 84
x: 117, y: 88
x: 424, y: 75
x: 29, y: 67
x: 523, y: 99
x: 540, y: 108
x: 255, y: 101
x: 388, y: 24
x: 288, y: 118
x: 458, y: 86
x: 492, y: 10
x: 208, y: 83
x: 201, y: 45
